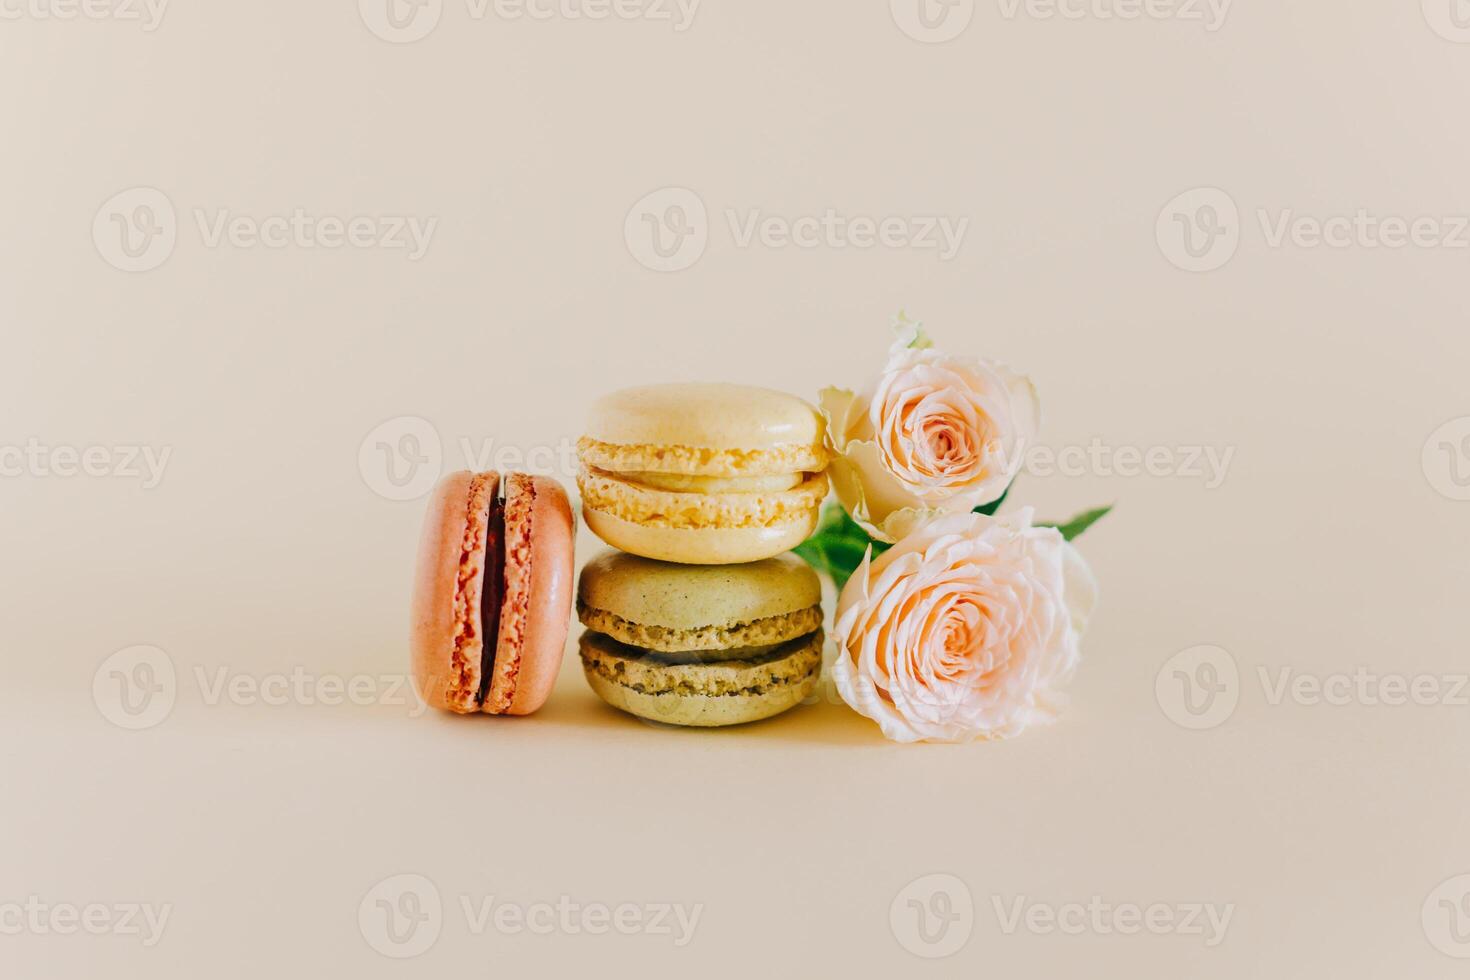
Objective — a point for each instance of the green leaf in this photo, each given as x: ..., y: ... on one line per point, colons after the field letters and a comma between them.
x: 1081, y: 522
x: 989, y: 509
x: 839, y: 544
x: 837, y: 547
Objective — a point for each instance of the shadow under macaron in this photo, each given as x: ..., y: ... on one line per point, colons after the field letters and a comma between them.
x: 821, y: 719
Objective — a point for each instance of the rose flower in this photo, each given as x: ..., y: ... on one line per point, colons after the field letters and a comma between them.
x: 931, y: 434
x: 968, y: 628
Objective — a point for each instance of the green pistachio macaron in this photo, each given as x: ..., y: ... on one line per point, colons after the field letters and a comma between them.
x: 700, y: 645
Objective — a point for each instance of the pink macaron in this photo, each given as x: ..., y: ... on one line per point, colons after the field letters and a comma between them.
x: 492, y: 594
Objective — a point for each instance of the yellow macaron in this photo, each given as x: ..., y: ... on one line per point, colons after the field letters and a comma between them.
x: 706, y: 474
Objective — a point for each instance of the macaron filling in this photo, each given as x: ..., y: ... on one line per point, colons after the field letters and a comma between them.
x: 702, y: 460
x: 643, y: 672
x: 609, y: 493
x: 685, y: 483
x: 492, y: 594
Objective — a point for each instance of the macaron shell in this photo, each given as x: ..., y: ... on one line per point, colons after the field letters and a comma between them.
x: 711, y: 642
x: 697, y: 597
x: 701, y: 546
x: 717, y: 416
x: 448, y: 578
x: 540, y: 533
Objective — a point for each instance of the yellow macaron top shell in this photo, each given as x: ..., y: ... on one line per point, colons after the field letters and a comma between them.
x: 693, y: 597
x: 733, y: 420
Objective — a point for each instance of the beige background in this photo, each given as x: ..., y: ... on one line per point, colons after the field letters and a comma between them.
x: 266, y: 548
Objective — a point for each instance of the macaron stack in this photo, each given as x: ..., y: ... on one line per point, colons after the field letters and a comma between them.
x: 700, y: 618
